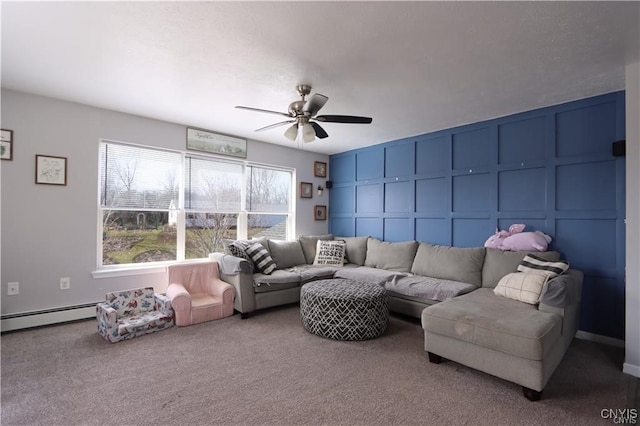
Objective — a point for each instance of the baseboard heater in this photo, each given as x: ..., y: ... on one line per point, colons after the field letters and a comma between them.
x: 30, y: 319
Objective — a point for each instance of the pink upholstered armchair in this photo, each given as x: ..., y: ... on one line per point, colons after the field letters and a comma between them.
x: 197, y: 294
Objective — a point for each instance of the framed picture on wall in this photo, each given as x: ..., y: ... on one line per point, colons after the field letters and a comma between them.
x: 320, y: 169
x: 215, y: 143
x: 306, y: 190
x: 6, y: 144
x: 320, y: 212
x: 51, y: 170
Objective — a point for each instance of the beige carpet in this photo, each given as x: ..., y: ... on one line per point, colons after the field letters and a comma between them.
x: 269, y: 370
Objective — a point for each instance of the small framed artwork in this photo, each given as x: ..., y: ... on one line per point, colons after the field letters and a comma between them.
x: 215, y: 143
x: 6, y: 144
x: 51, y: 170
x: 320, y: 212
x: 320, y: 169
x: 306, y: 190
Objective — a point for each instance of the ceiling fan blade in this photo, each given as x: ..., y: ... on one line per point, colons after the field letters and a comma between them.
x: 320, y: 133
x: 273, y: 126
x: 315, y: 102
x: 344, y: 119
x: 263, y: 110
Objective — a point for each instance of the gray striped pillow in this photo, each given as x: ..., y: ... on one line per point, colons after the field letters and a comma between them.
x: 536, y: 265
x: 261, y: 258
x: 239, y: 249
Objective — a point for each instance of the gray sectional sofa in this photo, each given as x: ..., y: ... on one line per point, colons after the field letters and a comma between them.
x: 449, y: 288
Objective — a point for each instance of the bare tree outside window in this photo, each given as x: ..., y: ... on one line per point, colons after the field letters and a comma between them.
x: 268, y: 196
x: 206, y: 233
x: 135, y: 206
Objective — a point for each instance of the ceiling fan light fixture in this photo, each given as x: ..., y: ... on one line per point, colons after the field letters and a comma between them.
x: 292, y: 132
x: 308, y: 133
x: 303, y: 113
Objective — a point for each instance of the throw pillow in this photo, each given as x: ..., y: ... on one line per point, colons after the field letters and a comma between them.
x: 261, y: 258
x: 239, y: 249
x: 521, y: 286
x: 536, y: 265
x: 329, y: 253
x: 498, y: 263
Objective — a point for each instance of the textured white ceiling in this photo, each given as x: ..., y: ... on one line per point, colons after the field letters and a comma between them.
x: 415, y: 67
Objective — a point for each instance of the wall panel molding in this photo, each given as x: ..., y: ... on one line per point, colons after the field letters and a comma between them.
x: 551, y: 169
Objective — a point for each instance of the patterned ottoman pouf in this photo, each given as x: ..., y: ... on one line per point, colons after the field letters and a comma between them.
x: 343, y: 309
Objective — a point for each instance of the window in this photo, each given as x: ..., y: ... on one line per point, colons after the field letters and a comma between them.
x: 213, y: 194
x: 268, y: 200
x: 159, y: 205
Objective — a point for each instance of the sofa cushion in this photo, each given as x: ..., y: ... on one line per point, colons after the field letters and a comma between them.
x: 450, y: 263
x: 261, y: 258
x: 312, y: 273
x: 521, y: 286
x: 390, y: 256
x: 537, y: 265
x: 277, y: 280
x: 497, y: 323
x: 132, y: 302
x: 329, y: 253
x: 371, y: 275
x: 356, y: 249
x: 428, y: 287
x: 397, y: 301
x: 309, y: 242
x: 286, y: 253
x: 144, y: 323
x: 498, y: 263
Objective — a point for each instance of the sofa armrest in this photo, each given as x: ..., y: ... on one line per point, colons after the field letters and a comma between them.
x: 237, y: 272
x: 231, y: 265
x: 106, y: 315
x: 163, y: 304
x: 562, y: 291
x: 220, y: 288
x: 561, y: 295
x: 228, y: 294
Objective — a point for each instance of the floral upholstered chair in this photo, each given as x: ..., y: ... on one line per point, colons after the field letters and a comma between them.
x: 131, y: 313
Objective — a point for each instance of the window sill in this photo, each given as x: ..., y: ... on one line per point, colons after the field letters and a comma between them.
x: 126, y: 271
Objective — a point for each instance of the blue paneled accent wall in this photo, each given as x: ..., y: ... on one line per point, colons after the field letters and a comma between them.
x: 551, y: 169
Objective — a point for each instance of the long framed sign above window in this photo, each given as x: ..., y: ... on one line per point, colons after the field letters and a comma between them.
x: 215, y: 143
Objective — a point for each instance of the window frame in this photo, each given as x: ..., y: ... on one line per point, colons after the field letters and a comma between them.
x: 181, y: 211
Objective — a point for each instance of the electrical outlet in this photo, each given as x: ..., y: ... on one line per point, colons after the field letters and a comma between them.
x: 65, y: 283
x: 13, y: 289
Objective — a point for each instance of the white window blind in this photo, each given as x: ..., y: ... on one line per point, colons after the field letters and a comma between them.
x: 268, y: 190
x: 212, y: 185
x: 132, y: 177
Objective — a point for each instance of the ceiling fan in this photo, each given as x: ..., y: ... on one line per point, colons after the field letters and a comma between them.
x: 303, y: 116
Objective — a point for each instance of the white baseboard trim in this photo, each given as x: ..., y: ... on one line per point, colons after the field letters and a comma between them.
x: 598, y: 338
x: 633, y: 370
x: 46, y: 317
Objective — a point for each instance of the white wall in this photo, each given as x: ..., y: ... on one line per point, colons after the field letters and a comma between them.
x: 48, y: 232
x: 632, y: 276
